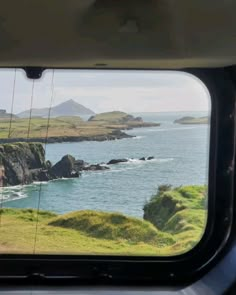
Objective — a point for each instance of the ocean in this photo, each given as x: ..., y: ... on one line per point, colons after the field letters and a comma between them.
x: 181, y: 158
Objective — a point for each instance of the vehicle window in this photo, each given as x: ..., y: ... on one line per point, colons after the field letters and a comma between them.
x: 103, y: 162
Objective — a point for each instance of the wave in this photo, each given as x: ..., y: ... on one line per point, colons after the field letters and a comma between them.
x: 133, y: 162
x: 158, y: 129
x: 60, y: 179
x: 40, y: 182
x: 17, y: 192
x: 155, y: 160
x: 131, y: 165
x: 178, y: 128
x: 165, y: 160
x: 11, y: 195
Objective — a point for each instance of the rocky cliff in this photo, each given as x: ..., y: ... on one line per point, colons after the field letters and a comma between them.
x: 23, y: 163
x: 19, y: 162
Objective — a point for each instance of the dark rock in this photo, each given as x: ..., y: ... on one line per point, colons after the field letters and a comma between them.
x: 91, y: 118
x: 95, y: 167
x: 41, y: 175
x: 23, y: 163
x: 65, y: 168
x: 48, y: 164
x: 138, y: 119
x: 80, y: 164
x: 19, y: 159
x: 150, y: 158
x: 142, y: 159
x: 116, y: 161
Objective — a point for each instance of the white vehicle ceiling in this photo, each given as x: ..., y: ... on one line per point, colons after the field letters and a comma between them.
x: 117, y: 33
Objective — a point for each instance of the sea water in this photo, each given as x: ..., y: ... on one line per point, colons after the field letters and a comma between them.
x: 180, y: 154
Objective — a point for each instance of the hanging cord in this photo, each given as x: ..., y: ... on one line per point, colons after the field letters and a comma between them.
x: 29, y: 123
x: 12, y: 104
x: 9, y: 135
x: 31, y: 106
x: 45, y: 149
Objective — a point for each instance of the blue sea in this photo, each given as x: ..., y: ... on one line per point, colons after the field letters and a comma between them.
x: 181, y: 158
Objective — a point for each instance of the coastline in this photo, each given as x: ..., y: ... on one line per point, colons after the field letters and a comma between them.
x: 114, y: 135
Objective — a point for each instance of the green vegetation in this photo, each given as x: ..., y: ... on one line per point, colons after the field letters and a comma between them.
x: 113, y: 226
x: 100, y: 125
x: 119, y: 120
x: 113, y: 117
x: 175, y: 221
x: 180, y: 212
x: 60, y: 126
x: 17, y: 234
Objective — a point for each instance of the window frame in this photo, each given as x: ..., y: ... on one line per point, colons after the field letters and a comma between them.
x: 179, y: 269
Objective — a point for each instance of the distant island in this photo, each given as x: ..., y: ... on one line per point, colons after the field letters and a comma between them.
x: 68, y: 108
x: 192, y: 120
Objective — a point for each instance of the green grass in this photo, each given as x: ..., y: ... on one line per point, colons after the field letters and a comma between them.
x: 61, y: 126
x: 102, y: 124
x: 181, y: 212
x: 185, y: 220
x: 110, y: 116
x: 66, y: 126
x: 175, y: 222
x: 117, y: 119
x: 113, y: 226
x: 164, y: 205
x: 63, y: 234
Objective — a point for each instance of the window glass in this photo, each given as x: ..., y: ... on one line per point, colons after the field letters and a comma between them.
x: 103, y: 162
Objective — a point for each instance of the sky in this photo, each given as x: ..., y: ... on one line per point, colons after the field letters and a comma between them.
x: 106, y: 90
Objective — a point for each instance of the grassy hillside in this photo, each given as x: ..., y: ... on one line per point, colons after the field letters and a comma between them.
x: 114, y: 116
x: 84, y: 232
x: 74, y: 126
x: 175, y: 221
x: 181, y: 212
x: 60, y: 126
x: 113, y: 226
x: 122, y: 120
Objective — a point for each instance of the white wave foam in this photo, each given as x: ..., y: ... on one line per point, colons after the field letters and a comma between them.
x: 12, y: 196
x: 60, y: 179
x: 40, y: 182
x: 168, y: 129
x: 138, y: 137
x: 165, y: 160
x: 138, y: 161
x: 144, y: 162
x: 104, y: 165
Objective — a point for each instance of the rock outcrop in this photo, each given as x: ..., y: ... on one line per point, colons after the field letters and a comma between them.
x: 23, y: 163
x: 116, y: 161
x: 65, y: 168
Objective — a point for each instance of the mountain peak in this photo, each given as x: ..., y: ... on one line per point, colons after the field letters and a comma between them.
x: 71, y: 100
x: 66, y: 108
